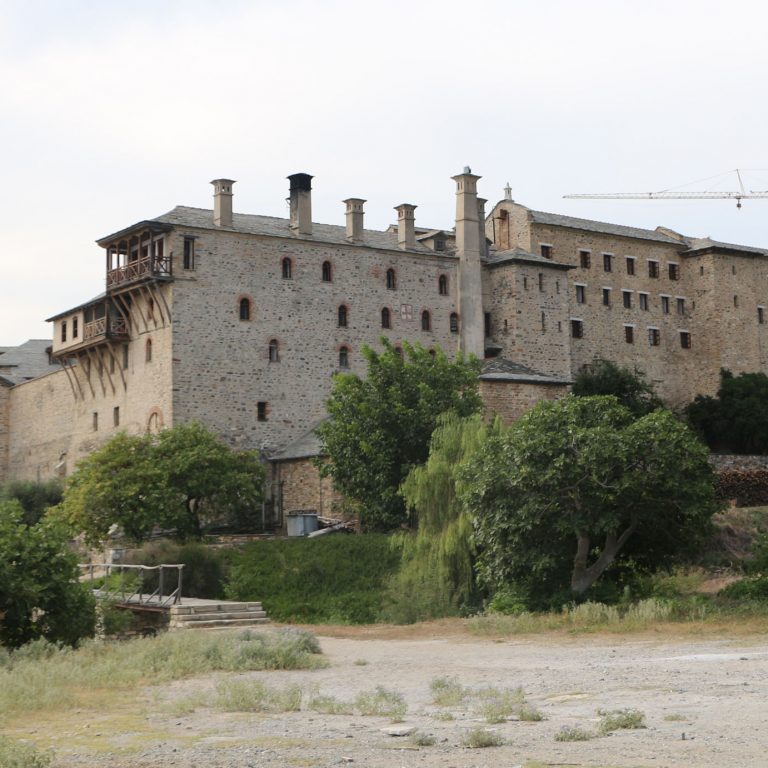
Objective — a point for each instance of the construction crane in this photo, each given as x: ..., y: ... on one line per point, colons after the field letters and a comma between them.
x: 674, y: 194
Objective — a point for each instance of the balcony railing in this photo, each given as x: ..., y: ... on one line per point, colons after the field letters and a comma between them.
x: 115, y: 327
x: 158, y: 266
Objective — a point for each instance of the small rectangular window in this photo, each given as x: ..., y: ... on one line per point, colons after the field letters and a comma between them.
x: 626, y: 297
x: 680, y: 306
x: 643, y: 299
x: 665, y: 304
x: 630, y: 265
x: 685, y: 339
x: 674, y: 271
x: 116, y: 416
x: 125, y: 356
x: 653, y: 268
x: 74, y: 328
x: 261, y: 411
x: 654, y: 337
x: 585, y: 259
x: 95, y: 421
x: 607, y: 262
x: 63, y: 330
x: 525, y: 283
x: 487, y: 323
x: 577, y: 329
x: 606, y: 297
x: 581, y: 294
x: 629, y: 334
x: 541, y: 281
x: 189, y: 253
x: 546, y: 251
x: 735, y: 301
x: 761, y: 315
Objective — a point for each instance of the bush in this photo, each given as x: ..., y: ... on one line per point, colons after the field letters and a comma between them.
x: 748, y: 487
x: 573, y: 733
x: 205, y: 568
x: 755, y: 588
x: 382, y: 703
x: 15, y: 754
x: 330, y: 579
x: 35, y: 498
x: 618, y: 719
x: 479, y: 738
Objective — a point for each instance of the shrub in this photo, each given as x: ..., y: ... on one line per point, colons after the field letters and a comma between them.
x: 447, y: 691
x: 479, y: 738
x: 382, y: 703
x: 420, y: 739
x: 754, y: 588
x: 35, y: 497
x: 497, y: 705
x: 327, y: 705
x: 573, y: 733
x: 618, y: 719
x: 255, y: 696
x: 330, y: 579
x: 15, y: 754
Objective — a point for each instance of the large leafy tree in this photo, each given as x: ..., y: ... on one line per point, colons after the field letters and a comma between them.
x: 174, y: 480
x: 380, y: 426
x: 40, y: 595
x: 578, y: 483
x: 629, y: 386
x: 34, y: 497
x: 737, y: 419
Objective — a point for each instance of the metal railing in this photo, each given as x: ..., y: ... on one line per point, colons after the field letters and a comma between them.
x: 115, y: 586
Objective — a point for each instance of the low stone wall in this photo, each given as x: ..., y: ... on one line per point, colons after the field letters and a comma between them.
x: 722, y: 461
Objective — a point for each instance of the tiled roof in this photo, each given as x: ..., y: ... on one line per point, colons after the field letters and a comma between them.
x: 303, y: 447
x: 500, y: 369
x: 27, y: 361
x: 555, y: 219
x: 202, y: 218
x: 518, y: 254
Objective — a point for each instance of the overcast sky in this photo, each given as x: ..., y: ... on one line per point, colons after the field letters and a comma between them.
x: 113, y: 112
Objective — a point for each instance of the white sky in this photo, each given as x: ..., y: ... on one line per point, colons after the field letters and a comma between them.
x: 113, y: 112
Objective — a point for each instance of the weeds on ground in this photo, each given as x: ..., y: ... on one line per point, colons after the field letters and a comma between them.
x: 675, y: 718
x: 382, y: 703
x: 447, y: 691
x: 573, y: 733
x: 496, y: 705
x: 15, y: 754
x: 254, y: 696
x: 360, y: 663
x: 41, y: 675
x: 618, y: 719
x: 529, y: 714
x: 478, y: 738
x: 327, y: 705
x: 443, y: 715
x: 421, y: 739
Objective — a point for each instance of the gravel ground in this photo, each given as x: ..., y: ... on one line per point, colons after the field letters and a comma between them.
x: 705, y: 702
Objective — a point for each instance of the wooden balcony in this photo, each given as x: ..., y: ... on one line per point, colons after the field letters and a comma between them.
x: 139, y: 270
x: 106, y: 327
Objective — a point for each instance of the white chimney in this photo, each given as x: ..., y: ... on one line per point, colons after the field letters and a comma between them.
x: 406, y: 234
x: 301, y: 203
x: 355, y: 215
x: 222, y: 202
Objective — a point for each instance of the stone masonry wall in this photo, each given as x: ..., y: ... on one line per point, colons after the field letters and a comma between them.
x: 221, y: 363
x: 300, y: 487
x: 5, y: 398
x: 511, y: 399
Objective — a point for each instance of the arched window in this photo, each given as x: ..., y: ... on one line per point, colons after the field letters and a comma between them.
x: 327, y: 272
x: 454, y: 323
x: 344, y: 357
x: 343, y: 316
x: 148, y: 351
x: 426, y: 321
x: 442, y: 285
x: 391, y: 279
x: 287, y: 269
x: 386, y: 318
x: 399, y: 352
x: 245, y: 309
x: 274, y: 351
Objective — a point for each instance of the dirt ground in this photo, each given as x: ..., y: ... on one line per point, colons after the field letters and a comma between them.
x: 705, y: 701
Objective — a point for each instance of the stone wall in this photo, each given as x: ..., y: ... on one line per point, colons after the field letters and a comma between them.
x: 297, y: 485
x: 511, y: 399
x: 723, y: 461
x: 5, y: 398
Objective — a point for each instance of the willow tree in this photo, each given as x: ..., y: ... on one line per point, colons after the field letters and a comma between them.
x: 437, y: 573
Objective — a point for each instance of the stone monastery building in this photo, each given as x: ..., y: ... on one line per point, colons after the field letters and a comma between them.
x: 239, y: 321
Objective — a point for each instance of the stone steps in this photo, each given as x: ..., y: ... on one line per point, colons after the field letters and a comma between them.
x: 212, y: 614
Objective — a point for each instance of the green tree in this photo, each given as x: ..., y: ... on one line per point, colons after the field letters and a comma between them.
x: 40, y: 595
x: 437, y: 573
x: 630, y: 387
x: 34, y: 497
x: 737, y: 419
x: 579, y: 482
x: 380, y: 426
x: 176, y: 480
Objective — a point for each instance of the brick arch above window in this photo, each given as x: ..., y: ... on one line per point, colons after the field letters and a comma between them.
x: 155, y: 420
x: 245, y: 307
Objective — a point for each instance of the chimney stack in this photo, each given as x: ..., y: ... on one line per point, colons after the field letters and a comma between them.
x: 301, y: 203
x: 406, y: 233
x: 222, y: 202
x: 354, y: 219
x: 470, y: 288
x: 481, y: 201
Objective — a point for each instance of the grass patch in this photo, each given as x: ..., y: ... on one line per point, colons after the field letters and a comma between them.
x: 421, y: 739
x: 618, y: 719
x: 675, y: 718
x: 42, y: 676
x: 16, y: 754
x: 254, y: 696
x: 382, y: 702
x: 529, y: 714
x: 443, y: 715
x: 497, y: 705
x: 573, y: 733
x: 330, y: 579
x: 327, y: 705
x: 447, y: 691
x: 479, y: 738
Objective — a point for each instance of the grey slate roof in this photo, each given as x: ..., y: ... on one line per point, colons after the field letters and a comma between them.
x: 83, y: 305
x: 202, y: 218
x: 555, y: 219
x: 519, y: 254
x: 27, y: 361
x: 705, y: 243
x: 302, y: 447
x: 500, y: 369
